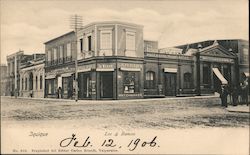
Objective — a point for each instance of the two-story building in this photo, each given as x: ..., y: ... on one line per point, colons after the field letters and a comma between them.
x: 32, y: 77
x: 109, y: 62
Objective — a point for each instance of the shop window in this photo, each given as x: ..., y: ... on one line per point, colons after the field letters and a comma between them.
x: 41, y: 82
x: 49, y: 87
x: 187, y: 80
x: 130, y: 82
x: 150, y: 80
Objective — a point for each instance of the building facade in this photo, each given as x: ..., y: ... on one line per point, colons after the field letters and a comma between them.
x: 4, y: 80
x: 111, y: 60
x: 32, y: 77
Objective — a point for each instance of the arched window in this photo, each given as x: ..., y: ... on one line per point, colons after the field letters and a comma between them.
x: 187, y: 80
x: 150, y: 80
x: 22, y: 84
x: 41, y: 82
x: 26, y: 83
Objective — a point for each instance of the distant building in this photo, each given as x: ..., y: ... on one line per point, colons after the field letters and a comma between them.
x: 14, y: 62
x: 4, y: 80
x: 32, y: 77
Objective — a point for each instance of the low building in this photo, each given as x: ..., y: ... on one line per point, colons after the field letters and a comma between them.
x: 32, y: 77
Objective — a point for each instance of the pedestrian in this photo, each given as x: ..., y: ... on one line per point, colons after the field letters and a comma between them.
x: 235, y: 95
x: 59, y: 92
x: 223, y: 95
x: 245, y: 91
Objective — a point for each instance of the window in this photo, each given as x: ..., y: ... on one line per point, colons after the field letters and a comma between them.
x: 106, y: 40
x: 22, y: 84
x: 55, y: 53
x: 49, y: 55
x: 26, y: 83
x: 41, y: 82
x: 81, y: 45
x: 130, y: 41
x: 206, y: 74
x: 245, y: 55
x: 36, y: 82
x: 89, y: 43
x: 61, y: 52
x: 187, y: 80
x: 131, y: 82
x: 49, y: 87
x: 31, y: 81
x: 150, y: 80
x: 69, y: 50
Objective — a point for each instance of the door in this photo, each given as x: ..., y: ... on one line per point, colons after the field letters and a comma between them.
x: 84, y: 79
x: 170, y: 84
x: 106, y: 79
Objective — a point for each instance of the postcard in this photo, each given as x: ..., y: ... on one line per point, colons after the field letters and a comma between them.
x: 124, y: 77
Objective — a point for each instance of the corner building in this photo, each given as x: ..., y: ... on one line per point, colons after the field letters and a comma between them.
x: 110, y: 62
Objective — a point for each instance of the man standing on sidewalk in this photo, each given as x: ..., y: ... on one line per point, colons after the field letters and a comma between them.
x: 223, y: 95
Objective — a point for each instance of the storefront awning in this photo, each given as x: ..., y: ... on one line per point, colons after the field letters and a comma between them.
x: 104, y: 69
x: 170, y: 70
x: 246, y: 74
x: 50, y: 77
x: 220, y: 76
x: 66, y: 74
x: 84, y: 70
x: 130, y: 69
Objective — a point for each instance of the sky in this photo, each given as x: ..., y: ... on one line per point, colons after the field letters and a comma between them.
x: 27, y: 24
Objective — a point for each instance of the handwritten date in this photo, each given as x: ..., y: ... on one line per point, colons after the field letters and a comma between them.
x: 133, y: 144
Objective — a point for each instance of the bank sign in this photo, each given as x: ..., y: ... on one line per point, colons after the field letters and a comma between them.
x: 216, y: 59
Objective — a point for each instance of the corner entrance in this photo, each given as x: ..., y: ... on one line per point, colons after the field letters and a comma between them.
x: 84, y: 85
x: 170, y: 84
x: 106, y: 84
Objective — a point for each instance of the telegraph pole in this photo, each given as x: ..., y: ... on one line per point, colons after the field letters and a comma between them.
x: 76, y: 24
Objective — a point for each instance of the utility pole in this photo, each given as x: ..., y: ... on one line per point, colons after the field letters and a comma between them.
x: 76, y: 24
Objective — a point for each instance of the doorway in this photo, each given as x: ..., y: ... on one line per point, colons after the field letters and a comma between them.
x: 170, y: 84
x: 106, y: 84
x: 84, y: 85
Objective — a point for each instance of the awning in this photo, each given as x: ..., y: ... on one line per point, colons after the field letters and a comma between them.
x: 84, y: 70
x: 246, y: 74
x: 130, y: 69
x: 220, y: 76
x: 50, y: 77
x: 66, y: 74
x: 104, y: 69
x: 170, y: 70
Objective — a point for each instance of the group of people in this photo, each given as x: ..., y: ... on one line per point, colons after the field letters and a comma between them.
x: 237, y: 95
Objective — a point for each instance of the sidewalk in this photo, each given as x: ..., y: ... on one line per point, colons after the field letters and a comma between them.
x: 120, y: 101
x: 239, y: 108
